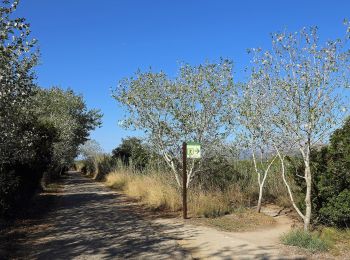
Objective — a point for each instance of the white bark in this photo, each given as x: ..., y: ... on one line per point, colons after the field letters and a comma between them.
x: 282, y: 157
x: 308, y: 181
x: 262, y: 181
x: 171, y: 164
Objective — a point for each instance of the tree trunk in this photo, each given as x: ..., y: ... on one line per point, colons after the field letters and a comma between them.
x: 308, y: 203
x: 283, y: 167
x: 258, y: 209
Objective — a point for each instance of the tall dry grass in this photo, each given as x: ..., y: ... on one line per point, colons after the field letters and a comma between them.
x: 153, y: 189
x: 159, y: 191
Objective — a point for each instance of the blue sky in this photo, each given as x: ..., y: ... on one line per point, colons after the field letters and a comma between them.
x: 90, y: 45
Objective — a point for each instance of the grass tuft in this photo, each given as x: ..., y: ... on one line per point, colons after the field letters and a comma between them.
x: 308, y: 240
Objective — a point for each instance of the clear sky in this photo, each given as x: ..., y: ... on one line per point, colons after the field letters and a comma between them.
x: 90, y: 45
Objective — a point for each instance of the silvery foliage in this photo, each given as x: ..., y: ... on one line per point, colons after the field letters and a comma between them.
x: 90, y: 149
x: 67, y: 113
x: 17, y: 59
x: 191, y: 107
x: 306, y: 84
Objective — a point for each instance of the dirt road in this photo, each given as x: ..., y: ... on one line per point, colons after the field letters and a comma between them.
x: 90, y: 221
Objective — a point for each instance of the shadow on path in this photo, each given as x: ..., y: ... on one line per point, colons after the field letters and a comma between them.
x: 92, y: 222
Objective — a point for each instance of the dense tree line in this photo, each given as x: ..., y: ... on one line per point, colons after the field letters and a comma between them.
x: 40, y: 129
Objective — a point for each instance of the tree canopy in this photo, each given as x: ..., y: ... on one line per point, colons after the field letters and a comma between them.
x: 191, y: 107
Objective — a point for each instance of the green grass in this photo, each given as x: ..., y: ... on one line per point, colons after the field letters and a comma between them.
x: 308, y: 240
x: 339, y: 239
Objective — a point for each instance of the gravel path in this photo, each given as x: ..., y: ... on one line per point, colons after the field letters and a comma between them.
x: 92, y: 222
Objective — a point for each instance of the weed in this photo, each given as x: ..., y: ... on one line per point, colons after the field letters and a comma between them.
x: 308, y: 240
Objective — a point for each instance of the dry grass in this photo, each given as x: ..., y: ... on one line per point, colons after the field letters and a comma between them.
x: 209, y: 204
x: 214, y: 203
x: 118, y: 180
x: 338, y: 239
x: 153, y: 189
x: 240, y: 220
x: 159, y: 191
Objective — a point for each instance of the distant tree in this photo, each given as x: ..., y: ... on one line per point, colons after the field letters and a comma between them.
x: 307, y: 80
x: 91, y: 148
x: 191, y: 107
x: 133, y: 149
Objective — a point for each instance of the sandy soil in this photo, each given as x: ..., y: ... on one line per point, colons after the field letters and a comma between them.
x: 209, y: 243
x: 90, y: 221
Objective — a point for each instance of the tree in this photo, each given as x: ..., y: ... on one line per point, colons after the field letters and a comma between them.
x: 256, y: 130
x: 18, y: 56
x: 66, y: 112
x: 307, y: 79
x: 91, y: 148
x: 39, y: 129
x: 191, y: 107
x: 132, y: 148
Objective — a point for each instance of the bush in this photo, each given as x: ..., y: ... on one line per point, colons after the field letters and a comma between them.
x: 307, y: 240
x: 132, y: 149
x: 337, y: 211
x: 104, y: 164
x: 331, y: 179
x: 8, y: 186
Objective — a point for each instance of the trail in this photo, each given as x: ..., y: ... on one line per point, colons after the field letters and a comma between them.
x: 263, y: 243
x: 90, y: 221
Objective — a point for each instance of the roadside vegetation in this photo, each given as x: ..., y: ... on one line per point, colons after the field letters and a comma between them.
x: 228, y: 184
x: 335, y: 241
x: 281, y: 137
x: 40, y: 129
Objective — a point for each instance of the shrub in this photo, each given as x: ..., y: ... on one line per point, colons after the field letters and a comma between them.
x: 104, y: 164
x: 337, y: 210
x: 307, y: 240
x: 8, y: 186
x: 331, y: 181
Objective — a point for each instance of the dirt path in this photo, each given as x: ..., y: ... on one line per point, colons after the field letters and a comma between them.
x: 89, y: 221
x: 209, y: 243
x: 92, y: 222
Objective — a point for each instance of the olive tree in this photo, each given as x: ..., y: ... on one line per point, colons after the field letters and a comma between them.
x: 191, y: 107
x: 308, y: 80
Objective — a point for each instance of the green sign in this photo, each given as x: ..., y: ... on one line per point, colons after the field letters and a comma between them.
x: 193, y: 150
